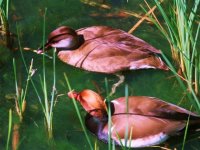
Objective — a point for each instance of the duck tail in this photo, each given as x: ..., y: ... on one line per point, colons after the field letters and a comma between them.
x: 162, y: 65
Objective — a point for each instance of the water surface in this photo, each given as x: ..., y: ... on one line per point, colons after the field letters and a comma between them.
x: 68, y: 134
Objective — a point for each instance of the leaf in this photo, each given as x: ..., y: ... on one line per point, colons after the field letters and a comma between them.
x: 1, y: 1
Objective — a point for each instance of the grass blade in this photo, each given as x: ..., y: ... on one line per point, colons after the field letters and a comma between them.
x: 78, y: 113
x: 9, y: 129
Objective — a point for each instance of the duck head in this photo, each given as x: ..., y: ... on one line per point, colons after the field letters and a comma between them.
x: 63, y: 38
x: 91, y: 102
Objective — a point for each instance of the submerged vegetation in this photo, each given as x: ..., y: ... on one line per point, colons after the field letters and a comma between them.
x: 181, y: 29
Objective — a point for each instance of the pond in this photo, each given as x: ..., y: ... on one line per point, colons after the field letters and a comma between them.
x: 27, y: 16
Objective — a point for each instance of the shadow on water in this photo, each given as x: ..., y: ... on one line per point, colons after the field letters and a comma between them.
x: 68, y: 133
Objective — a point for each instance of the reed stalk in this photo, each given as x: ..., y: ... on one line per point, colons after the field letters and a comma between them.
x: 5, y: 33
x: 9, y: 128
x: 111, y: 144
x: 109, y: 115
x: 185, y: 133
x: 20, y: 100
x: 46, y: 104
x: 78, y: 113
x: 182, y: 33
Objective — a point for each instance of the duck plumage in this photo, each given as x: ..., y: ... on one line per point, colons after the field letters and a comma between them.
x: 103, y: 49
x: 148, y: 120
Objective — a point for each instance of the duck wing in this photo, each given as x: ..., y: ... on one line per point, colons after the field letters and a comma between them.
x: 151, y: 106
x: 110, y: 35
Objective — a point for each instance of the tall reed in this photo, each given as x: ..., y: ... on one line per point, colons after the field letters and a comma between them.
x: 46, y: 104
x: 181, y: 30
x: 78, y: 113
x: 9, y: 128
x: 4, y: 8
x: 111, y: 144
x: 20, y: 100
x: 109, y: 115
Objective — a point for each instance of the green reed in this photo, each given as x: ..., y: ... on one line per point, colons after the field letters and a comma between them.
x: 181, y: 31
x: 109, y: 116
x: 111, y: 144
x: 127, y: 135
x: 46, y: 104
x: 4, y: 9
x: 185, y: 133
x: 9, y: 128
x: 78, y: 113
x: 20, y: 100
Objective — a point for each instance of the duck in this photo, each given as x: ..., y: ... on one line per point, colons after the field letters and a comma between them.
x: 103, y: 49
x: 139, y: 121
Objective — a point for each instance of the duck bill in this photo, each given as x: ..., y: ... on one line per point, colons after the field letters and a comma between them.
x: 40, y: 51
x: 44, y: 48
x: 73, y: 95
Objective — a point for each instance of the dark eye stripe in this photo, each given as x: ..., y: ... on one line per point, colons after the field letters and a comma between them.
x: 58, y: 37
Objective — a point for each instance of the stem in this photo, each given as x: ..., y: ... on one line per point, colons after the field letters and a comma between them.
x: 9, y: 128
x: 78, y: 113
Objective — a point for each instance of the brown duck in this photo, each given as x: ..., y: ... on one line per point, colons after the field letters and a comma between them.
x: 103, y: 49
x: 148, y: 120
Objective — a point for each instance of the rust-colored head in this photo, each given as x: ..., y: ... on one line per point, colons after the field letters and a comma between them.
x: 92, y: 102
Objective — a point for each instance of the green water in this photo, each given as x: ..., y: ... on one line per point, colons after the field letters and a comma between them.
x: 67, y: 131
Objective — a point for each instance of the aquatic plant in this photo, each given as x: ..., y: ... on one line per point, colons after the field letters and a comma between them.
x: 5, y: 40
x: 47, y: 106
x: 20, y: 100
x: 111, y: 144
x: 5, y: 33
x: 181, y: 31
x: 78, y: 113
x: 9, y: 128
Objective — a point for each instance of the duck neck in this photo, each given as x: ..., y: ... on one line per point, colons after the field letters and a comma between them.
x: 96, y: 125
x: 110, y: 106
x: 81, y: 40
